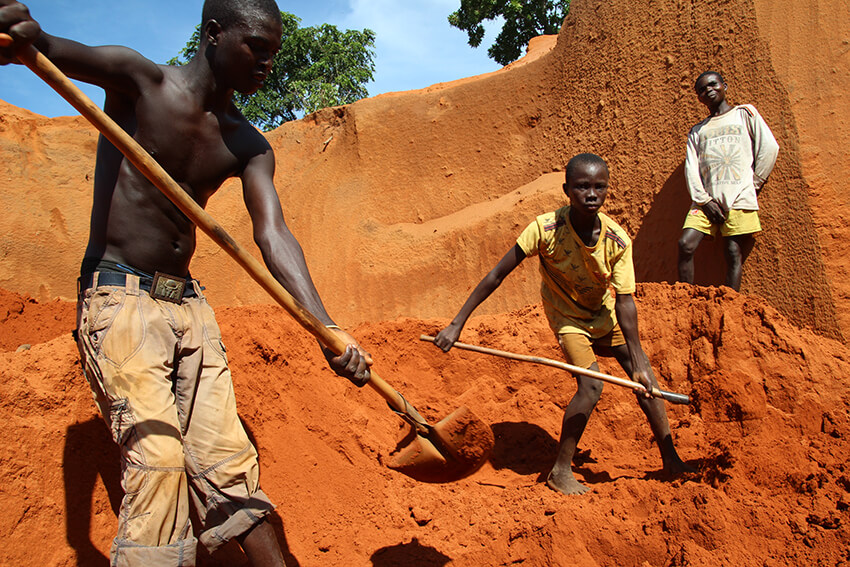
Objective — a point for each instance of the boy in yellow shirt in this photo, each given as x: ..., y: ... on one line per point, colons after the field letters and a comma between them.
x: 583, y: 256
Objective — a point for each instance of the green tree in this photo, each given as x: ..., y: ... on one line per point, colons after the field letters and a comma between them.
x: 524, y: 19
x: 316, y: 67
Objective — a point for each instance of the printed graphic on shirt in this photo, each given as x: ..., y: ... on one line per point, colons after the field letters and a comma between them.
x: 721, y: 153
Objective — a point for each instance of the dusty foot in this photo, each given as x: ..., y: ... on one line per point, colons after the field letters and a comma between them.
x: 565, y: 483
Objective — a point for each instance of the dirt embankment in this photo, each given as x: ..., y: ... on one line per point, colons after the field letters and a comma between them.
x: 768, y: 429
x: 403, y: 201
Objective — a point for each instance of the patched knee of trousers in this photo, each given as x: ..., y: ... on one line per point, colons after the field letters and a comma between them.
x: 121, y: 420
x: 252, y: 511
x: 233, y: 478
x: 182, y: 553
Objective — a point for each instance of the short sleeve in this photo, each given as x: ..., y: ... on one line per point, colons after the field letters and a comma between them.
x: 529, y: 240
x: 623, y: 273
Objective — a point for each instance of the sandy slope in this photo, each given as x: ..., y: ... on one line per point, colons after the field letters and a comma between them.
x: 403, y: 201
x: 768, y: 430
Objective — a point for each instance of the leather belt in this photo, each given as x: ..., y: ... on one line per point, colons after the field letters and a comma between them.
x: 167, y: 287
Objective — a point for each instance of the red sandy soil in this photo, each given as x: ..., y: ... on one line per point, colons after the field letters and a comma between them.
x: 768, y: 429
x: 402, y: 202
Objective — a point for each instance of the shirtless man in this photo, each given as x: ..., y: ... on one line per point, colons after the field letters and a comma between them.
x: 148, y: 339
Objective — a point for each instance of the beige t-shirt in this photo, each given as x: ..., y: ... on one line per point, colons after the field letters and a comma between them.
x: 577, y: 280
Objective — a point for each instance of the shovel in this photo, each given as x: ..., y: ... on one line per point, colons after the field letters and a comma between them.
x: 637, y: 387
x: 453, y: 448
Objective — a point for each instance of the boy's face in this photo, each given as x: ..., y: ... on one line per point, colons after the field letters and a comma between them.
x: 711, y: 90
x: 587, y: 188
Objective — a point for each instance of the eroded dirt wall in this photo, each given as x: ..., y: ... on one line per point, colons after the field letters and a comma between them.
x: 640, y: 65
x: 809, y: 45
x: 402, y: 202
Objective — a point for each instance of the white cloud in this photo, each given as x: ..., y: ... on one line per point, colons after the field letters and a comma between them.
x: 416, y: 46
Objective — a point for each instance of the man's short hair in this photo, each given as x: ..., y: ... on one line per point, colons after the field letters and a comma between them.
x: 583, y: 159
x: 707, y: 73
x: 232, y: 12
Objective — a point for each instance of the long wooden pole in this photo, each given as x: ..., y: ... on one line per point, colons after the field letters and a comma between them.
x: 637, y: 387
x: 139, y: 157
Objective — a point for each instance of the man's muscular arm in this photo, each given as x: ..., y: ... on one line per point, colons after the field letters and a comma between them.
x: 113, y: 68
x: 285, y: 259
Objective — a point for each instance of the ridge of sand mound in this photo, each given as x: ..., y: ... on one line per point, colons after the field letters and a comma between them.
x: 618, y: 82
x: 25, y: 321
x: 769, y: 430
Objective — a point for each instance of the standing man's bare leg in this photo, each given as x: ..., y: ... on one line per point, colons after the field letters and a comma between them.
x: 688, y: 243
x: 656, y: 415
x: 261, y: 546
x: 561, y: 477
x: 737, y: 248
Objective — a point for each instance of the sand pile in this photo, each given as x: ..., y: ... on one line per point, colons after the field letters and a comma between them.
x: 769, y: 430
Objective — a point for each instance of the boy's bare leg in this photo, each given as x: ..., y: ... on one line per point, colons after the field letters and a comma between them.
x: 737, y: 248
x: 261, y: 546
x: 656, y: 414
x: 688, y: 243
x: 561, y: 477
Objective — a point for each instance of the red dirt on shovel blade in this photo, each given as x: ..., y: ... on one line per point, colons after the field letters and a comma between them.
x: 467, y: 438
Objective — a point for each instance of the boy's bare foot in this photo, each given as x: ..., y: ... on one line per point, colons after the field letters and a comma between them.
x: 565, y: 483
x: 677, y: 469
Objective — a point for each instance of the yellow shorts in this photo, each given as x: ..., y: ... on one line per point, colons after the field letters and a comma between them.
x: 578, y: 348
x: 738, y: 222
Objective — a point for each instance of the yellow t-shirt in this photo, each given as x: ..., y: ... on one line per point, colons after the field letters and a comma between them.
x: 577, y: 280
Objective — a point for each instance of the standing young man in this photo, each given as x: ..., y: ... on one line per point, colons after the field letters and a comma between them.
x: 148, y: 339
x: 730, y: 154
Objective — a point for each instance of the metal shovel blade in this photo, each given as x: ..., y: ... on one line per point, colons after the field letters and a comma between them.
x: 454, y: 448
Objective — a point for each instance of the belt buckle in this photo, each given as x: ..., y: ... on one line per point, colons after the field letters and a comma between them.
x: 167, y: 287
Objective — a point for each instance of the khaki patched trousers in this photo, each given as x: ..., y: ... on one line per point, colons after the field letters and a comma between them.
x: 158, y: 372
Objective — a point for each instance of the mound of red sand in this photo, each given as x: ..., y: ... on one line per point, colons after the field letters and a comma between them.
x: 768, y: 429
x: 24, y: 321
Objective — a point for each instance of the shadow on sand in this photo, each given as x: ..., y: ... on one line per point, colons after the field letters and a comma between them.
x: 412, y: 554
x: 656, y: 246
x: 90, y: 454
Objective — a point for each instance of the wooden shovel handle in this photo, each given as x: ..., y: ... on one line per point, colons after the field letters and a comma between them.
x: 655, y: 393
x: 139, y: 157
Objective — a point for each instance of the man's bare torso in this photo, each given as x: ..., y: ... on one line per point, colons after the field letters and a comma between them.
x: 133, y: 222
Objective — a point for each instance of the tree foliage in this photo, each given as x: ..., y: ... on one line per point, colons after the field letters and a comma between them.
x: 316, y: 67
x: 524, y: 19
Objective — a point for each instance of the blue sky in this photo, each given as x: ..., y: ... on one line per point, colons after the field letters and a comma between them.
x: 415, y: 46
